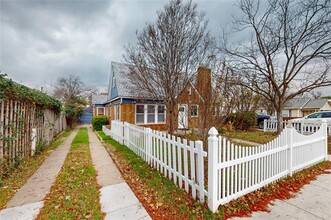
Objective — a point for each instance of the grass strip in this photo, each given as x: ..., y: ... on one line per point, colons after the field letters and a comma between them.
x: 164, y: 200
x: 160, y: 197
x: 18, y: 175
x: 75, y: 193
x: 254, y: 136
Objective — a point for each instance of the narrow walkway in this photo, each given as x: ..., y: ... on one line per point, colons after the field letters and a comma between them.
x: 117, y: 199
x: 27, y: 202
x: 312, y: 202
x: 244, y: 141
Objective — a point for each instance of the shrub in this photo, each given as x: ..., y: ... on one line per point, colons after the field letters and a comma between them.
x: 243, y: 120
x: 98, y: 121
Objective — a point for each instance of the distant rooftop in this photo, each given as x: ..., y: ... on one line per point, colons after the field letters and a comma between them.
x: 315, y: 103
x: 296, y: 103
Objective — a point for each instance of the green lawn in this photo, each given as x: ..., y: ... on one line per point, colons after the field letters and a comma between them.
x: 75, y: 194
x: 254, y: 136
x: 16, y: 176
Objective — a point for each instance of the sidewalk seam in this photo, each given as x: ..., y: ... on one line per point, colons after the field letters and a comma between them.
x: 287, y: 202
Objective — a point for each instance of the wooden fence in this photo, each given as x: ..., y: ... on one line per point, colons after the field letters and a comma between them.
x: 17, y: 120
x: 233, y: 171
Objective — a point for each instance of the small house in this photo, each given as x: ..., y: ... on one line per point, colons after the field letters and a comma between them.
x: 125, y: 102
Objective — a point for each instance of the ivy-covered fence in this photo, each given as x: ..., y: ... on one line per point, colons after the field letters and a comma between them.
x: 23, y: 109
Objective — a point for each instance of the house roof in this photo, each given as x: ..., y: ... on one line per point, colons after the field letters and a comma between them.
x: 99, y: 99
x: 315, y: 103
x: 120, y: 84
x: 296, y: 103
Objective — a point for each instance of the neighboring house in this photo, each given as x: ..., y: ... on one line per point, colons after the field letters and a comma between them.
x: 315, y: 105
x: 193, y: 101
x: 98, y: 104
x: 129, y: 104
x: 300, y: 107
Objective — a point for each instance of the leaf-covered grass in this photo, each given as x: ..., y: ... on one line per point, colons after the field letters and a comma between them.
x: 164, y: 200
x: 18, y: 176
x: 254, y: 136
x: 160, y: 197
x: 75, y: 194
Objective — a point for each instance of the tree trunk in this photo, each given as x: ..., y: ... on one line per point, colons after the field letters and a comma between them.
x: 279, y: 119
x: 171, y: 115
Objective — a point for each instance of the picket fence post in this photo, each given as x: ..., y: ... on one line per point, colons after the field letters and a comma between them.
x: 126, y: 134
x: 264, y: 125
x: 33, y: 140
x: 212, y: 171
x: 148, y: 144
x: 200, y: 171
x: 122, y: 132
x: 324, y: 128
x: 289, y: 139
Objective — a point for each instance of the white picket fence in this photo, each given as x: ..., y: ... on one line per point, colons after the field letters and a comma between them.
x: 179, y: 160
x: 303, y: 126
x: 233, y: 171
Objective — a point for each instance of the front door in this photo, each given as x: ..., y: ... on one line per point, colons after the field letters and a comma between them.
x: 182, y: 117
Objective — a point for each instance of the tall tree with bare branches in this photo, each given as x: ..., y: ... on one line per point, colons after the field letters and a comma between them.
x: 169, y: 51
x: 69, y: 90
x: 288, y: 50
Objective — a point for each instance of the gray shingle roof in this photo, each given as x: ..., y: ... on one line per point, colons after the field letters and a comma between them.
x: 296, y: 103
x: 315, y: 103
x: 99, y: 99
x: 124, y: 86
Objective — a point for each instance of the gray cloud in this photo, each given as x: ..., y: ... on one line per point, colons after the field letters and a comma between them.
x: 41, y: 40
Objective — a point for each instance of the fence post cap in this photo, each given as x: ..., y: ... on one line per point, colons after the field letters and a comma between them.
x: 324, y: 121
x: 213, y: 132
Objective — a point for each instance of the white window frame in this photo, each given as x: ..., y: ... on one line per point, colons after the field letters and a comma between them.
x: 116, y: 112
x: 194, y: 116
x: 104, y: 111
x: 156, y: 121
x: 135, y: 114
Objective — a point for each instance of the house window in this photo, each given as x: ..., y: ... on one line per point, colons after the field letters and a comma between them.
x: 161, y: 113
x: 150, y: 114
x: 116, y: 112
x: 100, y: 110
x: 194, y: 110
x: 189, y: 89
x: 140, y: 114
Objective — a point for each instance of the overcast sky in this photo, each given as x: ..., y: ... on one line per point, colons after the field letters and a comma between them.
x: 41, y: 40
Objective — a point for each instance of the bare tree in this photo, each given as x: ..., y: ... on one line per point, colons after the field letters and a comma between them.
x: 169, y: 51
x: 288, y: 51
x: 71, y: 91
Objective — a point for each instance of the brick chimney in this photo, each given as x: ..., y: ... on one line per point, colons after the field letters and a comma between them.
x: 203, y: 83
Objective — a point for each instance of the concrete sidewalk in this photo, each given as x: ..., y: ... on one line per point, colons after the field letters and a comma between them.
x: 28, y: 201
x: 312, y: 202
x: 117, y: 199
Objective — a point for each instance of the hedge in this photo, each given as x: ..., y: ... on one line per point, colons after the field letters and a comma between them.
x: 98, y: 121
x: 12, y: 90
